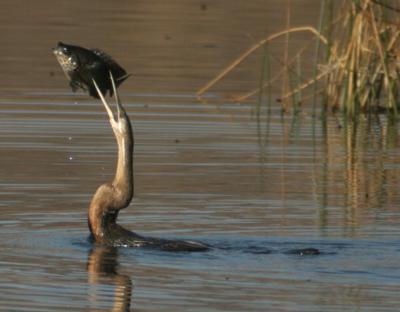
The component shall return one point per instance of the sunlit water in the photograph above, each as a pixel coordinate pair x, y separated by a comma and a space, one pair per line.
203, 171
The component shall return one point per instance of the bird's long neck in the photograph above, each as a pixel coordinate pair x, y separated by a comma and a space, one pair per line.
123, 180
112, 197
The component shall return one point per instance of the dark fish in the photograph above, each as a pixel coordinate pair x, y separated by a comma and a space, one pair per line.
81, 65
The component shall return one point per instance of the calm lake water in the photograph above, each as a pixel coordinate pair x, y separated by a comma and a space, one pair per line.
203, 171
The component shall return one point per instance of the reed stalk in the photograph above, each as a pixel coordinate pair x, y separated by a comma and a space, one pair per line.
255, 47
358, 70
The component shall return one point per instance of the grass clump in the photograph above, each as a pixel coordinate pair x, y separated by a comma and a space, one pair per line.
365, 60
357, 60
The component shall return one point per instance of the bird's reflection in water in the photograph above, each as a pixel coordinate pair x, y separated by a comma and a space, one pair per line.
102, 269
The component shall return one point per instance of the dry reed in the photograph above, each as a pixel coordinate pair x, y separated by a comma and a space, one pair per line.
359, 67
255, 47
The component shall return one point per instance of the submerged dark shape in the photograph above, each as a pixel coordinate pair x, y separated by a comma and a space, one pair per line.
304, 252
82, 65
111, 197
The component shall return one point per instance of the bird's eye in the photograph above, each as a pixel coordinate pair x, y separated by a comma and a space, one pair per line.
65, 49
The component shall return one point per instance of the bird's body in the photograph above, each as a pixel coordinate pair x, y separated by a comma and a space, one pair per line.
81, 65
111, 197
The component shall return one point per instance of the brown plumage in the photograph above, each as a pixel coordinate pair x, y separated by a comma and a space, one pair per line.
111, 197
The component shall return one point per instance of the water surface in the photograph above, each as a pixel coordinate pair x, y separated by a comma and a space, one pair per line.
204, 171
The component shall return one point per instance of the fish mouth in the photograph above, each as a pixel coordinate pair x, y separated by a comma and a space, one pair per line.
57, 51
58, 48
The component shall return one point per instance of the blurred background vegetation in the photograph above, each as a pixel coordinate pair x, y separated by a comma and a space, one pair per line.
354, 68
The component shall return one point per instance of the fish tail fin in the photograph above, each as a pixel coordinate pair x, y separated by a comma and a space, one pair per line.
118, 81
121, 79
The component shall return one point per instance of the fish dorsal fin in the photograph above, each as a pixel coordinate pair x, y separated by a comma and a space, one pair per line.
104, 56
117, 70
